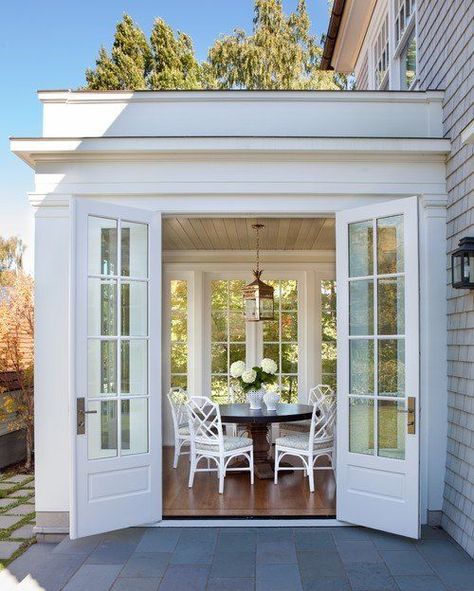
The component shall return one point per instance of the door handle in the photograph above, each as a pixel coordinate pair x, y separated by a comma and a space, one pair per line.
80, 415
411, 415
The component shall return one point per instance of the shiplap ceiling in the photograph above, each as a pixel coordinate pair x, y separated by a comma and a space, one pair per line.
181, 233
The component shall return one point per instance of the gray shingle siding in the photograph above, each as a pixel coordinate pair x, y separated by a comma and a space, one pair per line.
445, 42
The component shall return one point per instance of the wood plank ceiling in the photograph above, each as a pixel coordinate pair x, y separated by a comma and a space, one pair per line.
181, 233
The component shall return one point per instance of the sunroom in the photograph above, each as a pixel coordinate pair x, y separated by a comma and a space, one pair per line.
145, 204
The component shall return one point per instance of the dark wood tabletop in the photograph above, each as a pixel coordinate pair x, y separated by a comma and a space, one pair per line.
241, 413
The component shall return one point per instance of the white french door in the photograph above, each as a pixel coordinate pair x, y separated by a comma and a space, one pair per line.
116, 348
378, 367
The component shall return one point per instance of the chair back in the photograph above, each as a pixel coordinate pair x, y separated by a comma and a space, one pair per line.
322, 426
178, 399
205, 423
318, 393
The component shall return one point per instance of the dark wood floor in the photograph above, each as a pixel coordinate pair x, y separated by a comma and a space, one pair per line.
290, 497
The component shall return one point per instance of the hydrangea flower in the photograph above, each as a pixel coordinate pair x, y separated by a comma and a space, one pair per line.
249, 376
269, 366
237, 369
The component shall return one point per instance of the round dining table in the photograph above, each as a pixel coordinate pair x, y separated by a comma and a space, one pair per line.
258, 424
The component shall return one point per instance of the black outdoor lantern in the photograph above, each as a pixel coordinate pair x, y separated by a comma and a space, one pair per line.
462, 264
258, 296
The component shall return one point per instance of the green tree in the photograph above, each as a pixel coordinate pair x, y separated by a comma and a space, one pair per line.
280, 54
11, 258
174, 65
129, 64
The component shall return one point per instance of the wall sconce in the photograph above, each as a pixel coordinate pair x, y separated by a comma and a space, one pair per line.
462, 264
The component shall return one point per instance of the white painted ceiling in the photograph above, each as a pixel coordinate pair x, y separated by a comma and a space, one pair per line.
181, 233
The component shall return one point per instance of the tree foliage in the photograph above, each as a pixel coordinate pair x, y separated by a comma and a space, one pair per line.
280, 53
16, 338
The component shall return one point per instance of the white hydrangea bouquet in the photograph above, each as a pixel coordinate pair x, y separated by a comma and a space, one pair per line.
253, 380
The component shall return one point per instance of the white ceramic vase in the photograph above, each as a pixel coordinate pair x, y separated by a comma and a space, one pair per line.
255, 398
271, 400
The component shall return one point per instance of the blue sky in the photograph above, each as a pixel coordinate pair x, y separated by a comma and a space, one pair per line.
50, 43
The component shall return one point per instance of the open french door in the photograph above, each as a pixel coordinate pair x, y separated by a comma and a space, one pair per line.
378, 367
115, 367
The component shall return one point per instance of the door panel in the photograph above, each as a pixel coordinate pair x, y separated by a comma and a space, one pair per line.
378, 367
115, 320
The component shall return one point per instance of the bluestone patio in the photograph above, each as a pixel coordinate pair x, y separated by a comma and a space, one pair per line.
244, 559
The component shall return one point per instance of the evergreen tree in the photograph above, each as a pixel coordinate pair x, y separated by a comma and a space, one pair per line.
280, 54
129, 64
174, 65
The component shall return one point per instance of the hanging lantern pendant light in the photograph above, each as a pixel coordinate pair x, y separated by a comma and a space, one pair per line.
258, 296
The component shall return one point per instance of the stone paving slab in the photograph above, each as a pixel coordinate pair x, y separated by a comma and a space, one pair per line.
21, 510
244, 559
7, 521
16, 478
24, 532
7, 548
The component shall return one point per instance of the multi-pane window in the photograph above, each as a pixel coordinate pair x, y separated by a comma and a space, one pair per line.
179, 334
228, 334
381, 54
377, 337
403, 11
280, 337
117, 329
408, 63
328, 333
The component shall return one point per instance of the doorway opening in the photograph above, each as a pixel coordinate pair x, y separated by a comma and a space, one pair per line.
207, 262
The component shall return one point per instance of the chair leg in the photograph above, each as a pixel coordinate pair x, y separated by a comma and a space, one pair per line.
311, 473
221, 476
176, 453
192, 468
251, 467
277, 462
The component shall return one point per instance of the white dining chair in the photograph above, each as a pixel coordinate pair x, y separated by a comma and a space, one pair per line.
316, 395
209, 442
308, 447
178, 398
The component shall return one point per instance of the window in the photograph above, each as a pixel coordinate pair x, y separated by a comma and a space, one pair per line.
228, 333
328, 333
280, 338
403, 11
179, 334
381, 55
408, 63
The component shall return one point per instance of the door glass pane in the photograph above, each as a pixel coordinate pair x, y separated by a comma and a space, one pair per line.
361, 242
289, 295
134, 238
236, 353
289, 326
289, 389
219, 325
391, 429
134, 367
134, 310
390, 258
289, 358
361, 353
102, 429
391, 306
102, 307
328, 333
179, 334
391, 367
361, 307
102, 246
219, 389
101, 368
236, 326
219, 358
271, 330
134, 426
361, 426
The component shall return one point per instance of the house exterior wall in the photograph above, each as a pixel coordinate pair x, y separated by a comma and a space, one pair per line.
445, 47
